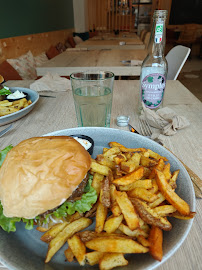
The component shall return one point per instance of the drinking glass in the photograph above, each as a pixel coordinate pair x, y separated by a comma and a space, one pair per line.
92, 92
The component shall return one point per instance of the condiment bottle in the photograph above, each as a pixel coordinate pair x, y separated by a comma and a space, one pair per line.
154, 67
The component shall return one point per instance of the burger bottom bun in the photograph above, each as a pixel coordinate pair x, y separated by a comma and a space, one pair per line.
40, 173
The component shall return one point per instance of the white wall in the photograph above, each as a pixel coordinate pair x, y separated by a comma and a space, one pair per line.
80, 16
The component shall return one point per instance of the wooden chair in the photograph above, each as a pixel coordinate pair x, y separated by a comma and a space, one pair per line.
188, 35
142, 34
146, 40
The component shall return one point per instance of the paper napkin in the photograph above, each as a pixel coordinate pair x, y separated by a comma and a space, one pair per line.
51, 82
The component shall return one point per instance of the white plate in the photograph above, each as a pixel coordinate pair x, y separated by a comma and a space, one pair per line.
32, 95
24, 250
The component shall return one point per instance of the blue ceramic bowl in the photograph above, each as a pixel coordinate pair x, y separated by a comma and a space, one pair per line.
32, 95
24, 250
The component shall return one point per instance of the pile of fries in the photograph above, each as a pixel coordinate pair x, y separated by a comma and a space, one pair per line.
7, 107
136, 193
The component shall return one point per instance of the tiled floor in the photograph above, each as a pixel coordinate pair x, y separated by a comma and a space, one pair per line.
191, 76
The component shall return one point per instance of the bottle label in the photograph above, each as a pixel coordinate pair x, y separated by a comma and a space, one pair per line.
158, 33
152, 90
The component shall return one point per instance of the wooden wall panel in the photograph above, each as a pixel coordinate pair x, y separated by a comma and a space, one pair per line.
110, 15
37, 43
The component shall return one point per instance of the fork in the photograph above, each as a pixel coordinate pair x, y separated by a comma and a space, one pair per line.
145, 128
4, 131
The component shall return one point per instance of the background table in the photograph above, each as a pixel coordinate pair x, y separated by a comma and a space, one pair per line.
131, 44
51, 114
111, 36
73, 61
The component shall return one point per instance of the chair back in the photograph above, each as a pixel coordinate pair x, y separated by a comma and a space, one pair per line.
142, 34
176, 59
188, 35
146, 40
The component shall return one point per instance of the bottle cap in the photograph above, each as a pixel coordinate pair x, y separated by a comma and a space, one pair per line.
122, 120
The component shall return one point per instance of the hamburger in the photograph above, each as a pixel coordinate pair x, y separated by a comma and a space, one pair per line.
43, 181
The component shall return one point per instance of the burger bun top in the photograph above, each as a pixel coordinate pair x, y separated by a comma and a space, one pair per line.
40, 173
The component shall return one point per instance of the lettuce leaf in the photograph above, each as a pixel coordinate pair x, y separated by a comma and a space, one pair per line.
7, 224
85, 204
4, 152
5, 91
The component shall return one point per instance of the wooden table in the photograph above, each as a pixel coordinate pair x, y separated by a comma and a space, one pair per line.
112, 36
73, 61
186, 144
129, 44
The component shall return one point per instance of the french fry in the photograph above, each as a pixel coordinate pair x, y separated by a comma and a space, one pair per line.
166, 171
127, 210
7, 107
146, 154
155, 187
129, 178
112, 223
170, 195
147, 162
116, 210
101, 215
101, 169
101, 159
179, 216
135, 233
164, 210
112, 151
97, 181
156, 156
42, 229
146, 173
93, 257
119, 158
105, 192
147, 183
173, 179
111, 260
124, 149
118, 172
104, 149
132, 164
70, 229
156, 243
159, 166
92, 211
143, 194
87, 235
50, 234
75, 216
159, 200
143, 241
145, 227
6, 103
115, 245
128, 166
150, 216
69, 254
78, 248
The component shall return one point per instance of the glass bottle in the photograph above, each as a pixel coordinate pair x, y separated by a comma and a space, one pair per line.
154, 67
